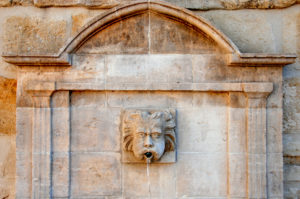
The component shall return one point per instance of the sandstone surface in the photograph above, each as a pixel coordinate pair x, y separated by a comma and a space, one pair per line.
29, 30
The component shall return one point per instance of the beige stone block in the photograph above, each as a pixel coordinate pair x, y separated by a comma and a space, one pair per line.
5, 3
22, 2
162, 180
129, 36
96, 174
185, 40
87, 3
7, 166
95, 130
23, 175
79, 20
290, 37
122, 68
201, 175
7, 105
149, 68
275, 175
23, 152
204, 65
237, 140
256, 37
257, 176
198, 132
274, 130
179, 99
33, 36
135, 99
96, 100
90, 63
60, 99
60, 129
60, 174
210, 99
237, 175
204, 4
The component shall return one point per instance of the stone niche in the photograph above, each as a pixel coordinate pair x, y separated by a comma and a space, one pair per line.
149, 55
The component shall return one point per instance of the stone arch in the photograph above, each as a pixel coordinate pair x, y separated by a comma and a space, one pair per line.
122, 12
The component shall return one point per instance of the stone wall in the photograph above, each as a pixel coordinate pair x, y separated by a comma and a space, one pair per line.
40, 26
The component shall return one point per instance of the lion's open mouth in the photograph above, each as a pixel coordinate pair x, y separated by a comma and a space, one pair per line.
148, 155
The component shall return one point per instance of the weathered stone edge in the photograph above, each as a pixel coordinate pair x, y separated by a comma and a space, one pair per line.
249, 87
196, 5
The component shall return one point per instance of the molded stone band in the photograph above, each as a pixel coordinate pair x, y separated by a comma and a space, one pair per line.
199, 5
253, 87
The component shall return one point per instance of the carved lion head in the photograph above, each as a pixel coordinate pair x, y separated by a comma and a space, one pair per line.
148, 133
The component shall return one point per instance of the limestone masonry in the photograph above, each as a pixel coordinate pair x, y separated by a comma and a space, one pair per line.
149, 99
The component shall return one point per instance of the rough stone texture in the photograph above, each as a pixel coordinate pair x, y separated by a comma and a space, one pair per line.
5, 3
7, 166
191, 4
7, 106
33, 36
22, 2
252, 30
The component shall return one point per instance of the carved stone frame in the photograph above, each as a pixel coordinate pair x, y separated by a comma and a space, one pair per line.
45, 156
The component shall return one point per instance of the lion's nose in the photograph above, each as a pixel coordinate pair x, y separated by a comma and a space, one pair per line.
148, 142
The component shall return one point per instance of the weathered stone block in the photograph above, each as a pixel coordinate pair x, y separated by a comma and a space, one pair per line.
193, 168
8, 89
22, 2
255, 37
274, 129
5, 2
275, 175
60, 175
162, 178
137, 99
95, 100
291, 181
88, 3
96, 174
127, 37
33, 36
95, 130
291, 144
7, 166
198, 133
149, 68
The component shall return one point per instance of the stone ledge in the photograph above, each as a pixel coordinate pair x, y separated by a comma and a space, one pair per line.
190, 4
259, 87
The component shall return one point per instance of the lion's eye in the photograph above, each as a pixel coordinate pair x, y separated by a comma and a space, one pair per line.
155, 135
141, 134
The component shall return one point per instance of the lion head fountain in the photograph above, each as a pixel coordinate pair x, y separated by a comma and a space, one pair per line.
148, 134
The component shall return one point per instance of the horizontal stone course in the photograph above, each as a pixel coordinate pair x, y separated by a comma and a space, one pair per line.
190, 4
